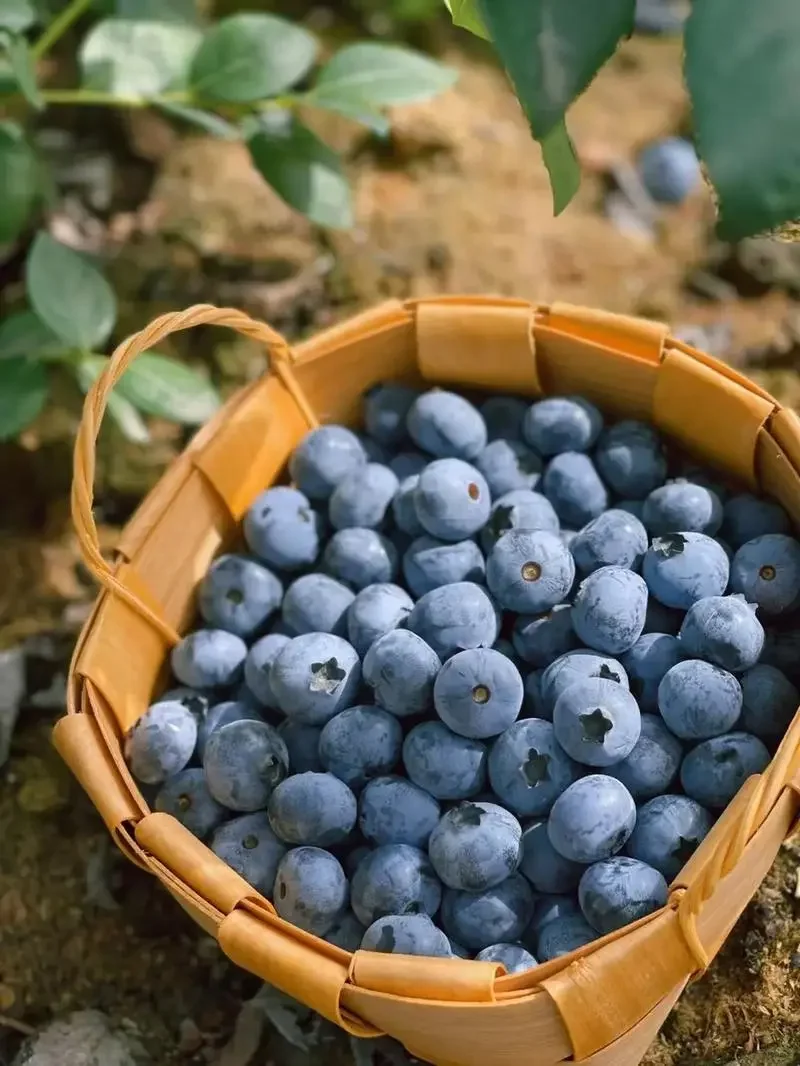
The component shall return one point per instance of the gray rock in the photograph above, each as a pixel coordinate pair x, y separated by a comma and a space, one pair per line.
12, 690
85, 1038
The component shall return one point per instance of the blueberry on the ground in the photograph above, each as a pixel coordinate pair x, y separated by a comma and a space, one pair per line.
377, 609
592, 819
503, 416
513, 956
455, 617
315, 603
528, 769
346, 933
406, 934
209, 658
404, 508
393, 810
575, 666
668, 831
314, 677
766, 571
283, 529
661, 619
615, 892
608, 611
748, 517
258, 664
698, 700
394, 879
407, 464
682, 568
508, 465
630, 458
186, 797
614, 538
359, 744
724, 630
222, 714
520, 509
302, 743
596, 722
430, 563
546, 870
497, 914
474, 847
573, 486
452, 499
530, 570
324, 458
478, 693
248, 845
360, 557
714, 771
238, 594
769, 702
447, 766
563, 936
653, 764
540, 639
362, 499
562, 424
161, 743
311, 890
244, 762
682, 506
446, 425
312, 808
401, 668
647, 662
670, 169
386, 407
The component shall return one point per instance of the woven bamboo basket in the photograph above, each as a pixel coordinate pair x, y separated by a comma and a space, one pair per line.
601, 1005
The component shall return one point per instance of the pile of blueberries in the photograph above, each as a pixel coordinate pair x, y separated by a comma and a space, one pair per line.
482, 680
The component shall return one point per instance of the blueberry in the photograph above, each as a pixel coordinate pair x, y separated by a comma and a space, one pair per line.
458, 950
346, 933
769, 702
748, 517
668, 832
360, 557
513, 957
682, 506
551, 907
404, 508
698, 700
682, 568
363, 498
455, 617
488, 916
314, 677
562, 424
446, 425
209, 658
374, 451
630, 458
474, 847
239, 595
714, 771
324, 458
283, 529
478, 693
186, 797
632, 507
520, 509
766, 571
540, 639
311, 890
596, 722
244, 762
312, 808
509, 465
647, 662
386, 408
670, 169
359, 744
452, 499
609, 609
653, 764
724, 630
563, 936
528, 769
353, 859
530, 571
407, 464
192, 699
377, 609
447, 766
661, 619
222, 714
614, 538
567, 536
575, 666
573, 486
302, 743
248, 845
406, 934
395, 811
258, 664
546, 870
592, 819
615, 892
532, 703
782, 650
401, 668
700, 475
503, 416
395, 879
429, 563
161, 743
315, 603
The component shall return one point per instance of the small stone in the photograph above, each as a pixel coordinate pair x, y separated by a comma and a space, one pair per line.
85, 1038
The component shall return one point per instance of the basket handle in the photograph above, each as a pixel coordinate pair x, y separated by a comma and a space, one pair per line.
82, 497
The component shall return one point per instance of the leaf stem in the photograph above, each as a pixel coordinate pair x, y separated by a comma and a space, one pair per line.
59, 26
95, 97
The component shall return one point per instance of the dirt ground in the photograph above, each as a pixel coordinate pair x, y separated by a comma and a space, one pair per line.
456, 201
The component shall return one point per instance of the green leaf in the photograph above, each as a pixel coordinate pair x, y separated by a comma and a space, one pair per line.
120, 410
357, 112
24, 71
553, 48
24, 334
69, 294
23, 393
466, 15
562, 165
166, 388
16, 16
136, 58
380, 75
158, 10
251, 57
303, 170
204, 120
19, 181
742, 68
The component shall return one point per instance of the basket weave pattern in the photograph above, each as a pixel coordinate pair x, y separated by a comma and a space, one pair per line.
603, 1004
